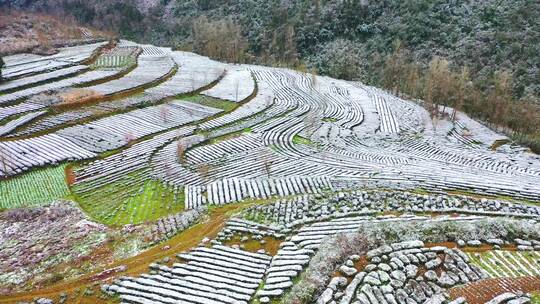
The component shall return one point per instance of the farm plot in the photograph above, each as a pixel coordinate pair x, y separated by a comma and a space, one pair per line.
186, 80
194, 73
38, 187
115, 131
77, 80
484, 291
21, 108
302, 227
38, 241
153, 200
117, 57
131, 199
52, 121
20, 65
21, 155
132, 159
211, 102
15, 123
148, 70
218, 274
236, 86
182, 135
499, 263
419, 276
22, 83
308, 239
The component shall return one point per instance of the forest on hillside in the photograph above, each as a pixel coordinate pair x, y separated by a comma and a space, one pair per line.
478, 56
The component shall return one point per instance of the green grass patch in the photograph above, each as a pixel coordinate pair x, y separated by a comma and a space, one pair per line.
105, 62
37, 187
329, 119
535, 297
130, 200
111, 152
153, 201
224, 105
300, 140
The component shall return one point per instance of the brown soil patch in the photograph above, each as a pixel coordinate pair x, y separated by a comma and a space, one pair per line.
77, 97
445, 244
482, 291
271, 244
361, 263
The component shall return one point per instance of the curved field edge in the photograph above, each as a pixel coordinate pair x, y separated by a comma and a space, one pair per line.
131, 200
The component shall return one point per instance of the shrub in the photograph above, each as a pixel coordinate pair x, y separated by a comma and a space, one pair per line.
339, 59
333, 251
436, 232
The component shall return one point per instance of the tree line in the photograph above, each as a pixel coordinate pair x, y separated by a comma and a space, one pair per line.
481, 57
440, 86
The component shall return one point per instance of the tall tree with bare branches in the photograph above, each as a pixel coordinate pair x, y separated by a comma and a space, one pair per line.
1, 66
181, 151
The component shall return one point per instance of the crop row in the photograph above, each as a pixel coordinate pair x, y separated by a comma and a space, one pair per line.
131, 199
499, 263
34, 188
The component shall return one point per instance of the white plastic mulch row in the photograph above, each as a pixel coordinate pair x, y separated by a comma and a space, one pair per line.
236, 86
45, 77
21, 155
13, 124
219, 274
24, 64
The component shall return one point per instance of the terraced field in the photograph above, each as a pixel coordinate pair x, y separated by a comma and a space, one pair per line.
509, 263
152, 143
34, 188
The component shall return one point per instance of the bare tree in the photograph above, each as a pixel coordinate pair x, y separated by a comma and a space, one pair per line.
221, 39
203, 169
164, 113
181, 151
268, 167
1, 66
500, 97
438, 84
461, 89
393, 68
129, 138
413, 81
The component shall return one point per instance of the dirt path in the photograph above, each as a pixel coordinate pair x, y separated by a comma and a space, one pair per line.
482, 291
136, 265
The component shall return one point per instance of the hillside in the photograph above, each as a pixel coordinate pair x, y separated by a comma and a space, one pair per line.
133, 173
486, 36
490, 65
40, 33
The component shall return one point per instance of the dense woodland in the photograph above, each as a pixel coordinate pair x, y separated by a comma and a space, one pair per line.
478, 56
